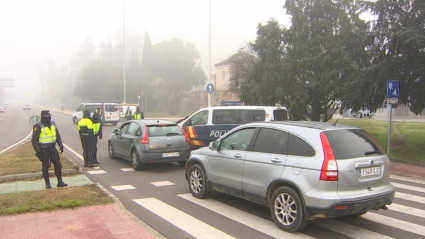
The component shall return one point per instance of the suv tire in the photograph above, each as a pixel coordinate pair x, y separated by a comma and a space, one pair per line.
286, 203
198, 182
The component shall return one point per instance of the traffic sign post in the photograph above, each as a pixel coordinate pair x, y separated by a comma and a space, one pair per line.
210, 88
393, 92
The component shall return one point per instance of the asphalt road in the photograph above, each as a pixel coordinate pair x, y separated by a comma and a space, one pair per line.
171, 210
13, 126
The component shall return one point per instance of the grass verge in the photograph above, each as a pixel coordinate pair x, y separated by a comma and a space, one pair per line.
22, 160
407, 149
52, 199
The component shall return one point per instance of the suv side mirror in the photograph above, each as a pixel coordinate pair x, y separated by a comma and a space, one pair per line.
115, 131
214, 145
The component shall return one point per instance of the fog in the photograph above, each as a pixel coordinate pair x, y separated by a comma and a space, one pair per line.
33, 32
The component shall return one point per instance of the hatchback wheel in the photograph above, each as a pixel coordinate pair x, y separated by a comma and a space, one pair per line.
111, 151
137, 165
198, 182
75, 120
287, 210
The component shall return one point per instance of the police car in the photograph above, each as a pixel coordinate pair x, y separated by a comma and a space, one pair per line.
209, 124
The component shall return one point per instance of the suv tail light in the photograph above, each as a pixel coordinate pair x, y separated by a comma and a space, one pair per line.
145, 139
329, 170
185, 135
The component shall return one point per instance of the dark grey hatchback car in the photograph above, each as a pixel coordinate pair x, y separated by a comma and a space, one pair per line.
149, 141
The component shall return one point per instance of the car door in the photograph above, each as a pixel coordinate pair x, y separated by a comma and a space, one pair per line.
264, 163
197, 130
226, 164
129, 139
119, 146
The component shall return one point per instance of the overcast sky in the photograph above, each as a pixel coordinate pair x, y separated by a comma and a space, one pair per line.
34, 31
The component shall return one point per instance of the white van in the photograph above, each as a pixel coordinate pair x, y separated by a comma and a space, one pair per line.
110, 112
123, 109
209, 124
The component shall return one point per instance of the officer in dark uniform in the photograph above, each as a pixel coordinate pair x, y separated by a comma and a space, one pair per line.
44, 138
85, 129
138, 115
128, 114
97, 131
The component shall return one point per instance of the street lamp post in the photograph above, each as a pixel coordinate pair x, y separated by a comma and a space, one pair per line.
123, 63
209, 76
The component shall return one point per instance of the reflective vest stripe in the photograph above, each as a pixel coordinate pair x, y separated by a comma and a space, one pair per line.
47, 135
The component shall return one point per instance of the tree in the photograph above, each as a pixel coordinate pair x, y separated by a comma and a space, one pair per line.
177, 63
397, 43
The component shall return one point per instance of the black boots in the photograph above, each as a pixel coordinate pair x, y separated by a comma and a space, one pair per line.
47, 183
61, 183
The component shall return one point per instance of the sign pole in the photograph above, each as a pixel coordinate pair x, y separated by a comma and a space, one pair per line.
390, 106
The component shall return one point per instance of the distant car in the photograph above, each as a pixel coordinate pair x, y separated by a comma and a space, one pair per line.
2, 109
300, 170
149, 141
26, 107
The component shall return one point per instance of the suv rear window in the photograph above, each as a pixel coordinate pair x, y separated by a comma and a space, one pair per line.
111, 108
228, 116
164, 130
352, 143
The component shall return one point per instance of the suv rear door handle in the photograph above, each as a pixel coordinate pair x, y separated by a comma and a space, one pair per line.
238, 156
276, 160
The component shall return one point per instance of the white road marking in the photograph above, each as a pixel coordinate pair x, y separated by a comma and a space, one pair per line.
127, 169
163, 183
410, 197
185, 222
408, 179
395, 223
408, 210
97, 172
123, 187
247, 219
348, 230
408, 187
4, 150
72, 151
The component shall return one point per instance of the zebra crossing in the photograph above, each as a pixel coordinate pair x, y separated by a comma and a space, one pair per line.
406, 217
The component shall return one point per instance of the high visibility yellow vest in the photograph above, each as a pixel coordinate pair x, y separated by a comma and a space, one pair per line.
137, 116
96, 128
85, 122
47, 136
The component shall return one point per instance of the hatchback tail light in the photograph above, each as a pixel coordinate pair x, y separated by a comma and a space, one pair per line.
329, 170
145, 140
185, 135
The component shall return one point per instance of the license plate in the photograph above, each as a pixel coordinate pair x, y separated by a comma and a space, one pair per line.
364, 172
175, 154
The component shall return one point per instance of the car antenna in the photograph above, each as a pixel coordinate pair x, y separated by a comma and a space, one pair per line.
334, 124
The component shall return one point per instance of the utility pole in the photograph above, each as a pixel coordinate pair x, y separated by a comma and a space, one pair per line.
209, 76
123, 63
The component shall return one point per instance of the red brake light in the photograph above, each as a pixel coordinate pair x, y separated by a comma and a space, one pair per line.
340, 207
145, 139
185, 135
330, 167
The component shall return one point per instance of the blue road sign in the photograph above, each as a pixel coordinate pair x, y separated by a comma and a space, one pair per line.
393, 89
210, 88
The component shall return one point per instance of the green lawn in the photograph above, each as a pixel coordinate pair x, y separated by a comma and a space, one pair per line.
413, 134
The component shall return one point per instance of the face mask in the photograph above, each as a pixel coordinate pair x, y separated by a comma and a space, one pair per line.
46, 120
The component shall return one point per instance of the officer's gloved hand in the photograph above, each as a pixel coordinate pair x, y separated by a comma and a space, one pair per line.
61, 148
39, 155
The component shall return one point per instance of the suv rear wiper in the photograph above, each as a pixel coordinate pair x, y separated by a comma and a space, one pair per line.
372, 152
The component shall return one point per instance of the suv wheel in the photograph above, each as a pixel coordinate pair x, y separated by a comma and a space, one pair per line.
137, 165
287, 210
111, 151
198, 182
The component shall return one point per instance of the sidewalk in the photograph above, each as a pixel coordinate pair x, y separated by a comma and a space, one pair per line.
407, 170
110, 221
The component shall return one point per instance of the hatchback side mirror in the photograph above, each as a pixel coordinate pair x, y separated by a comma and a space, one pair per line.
214, 145
115, 131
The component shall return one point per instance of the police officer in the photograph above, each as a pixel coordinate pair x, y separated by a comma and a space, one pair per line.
85, 129
98, 112
128, 114
97, 131
138, 114
44, 138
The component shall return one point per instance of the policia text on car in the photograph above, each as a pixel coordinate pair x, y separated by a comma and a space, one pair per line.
85, 129
44, 138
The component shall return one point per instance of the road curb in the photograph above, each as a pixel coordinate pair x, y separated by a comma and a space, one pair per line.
148, 228
407, 162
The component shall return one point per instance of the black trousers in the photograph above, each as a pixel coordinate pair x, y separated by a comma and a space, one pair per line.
88, 148
51, 155
95, 149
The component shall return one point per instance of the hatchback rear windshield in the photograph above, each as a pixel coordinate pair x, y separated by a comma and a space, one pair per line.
352, 143
164, 130
228, 116
111, 108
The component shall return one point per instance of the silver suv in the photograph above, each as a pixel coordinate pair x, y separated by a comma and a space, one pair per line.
301, 170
